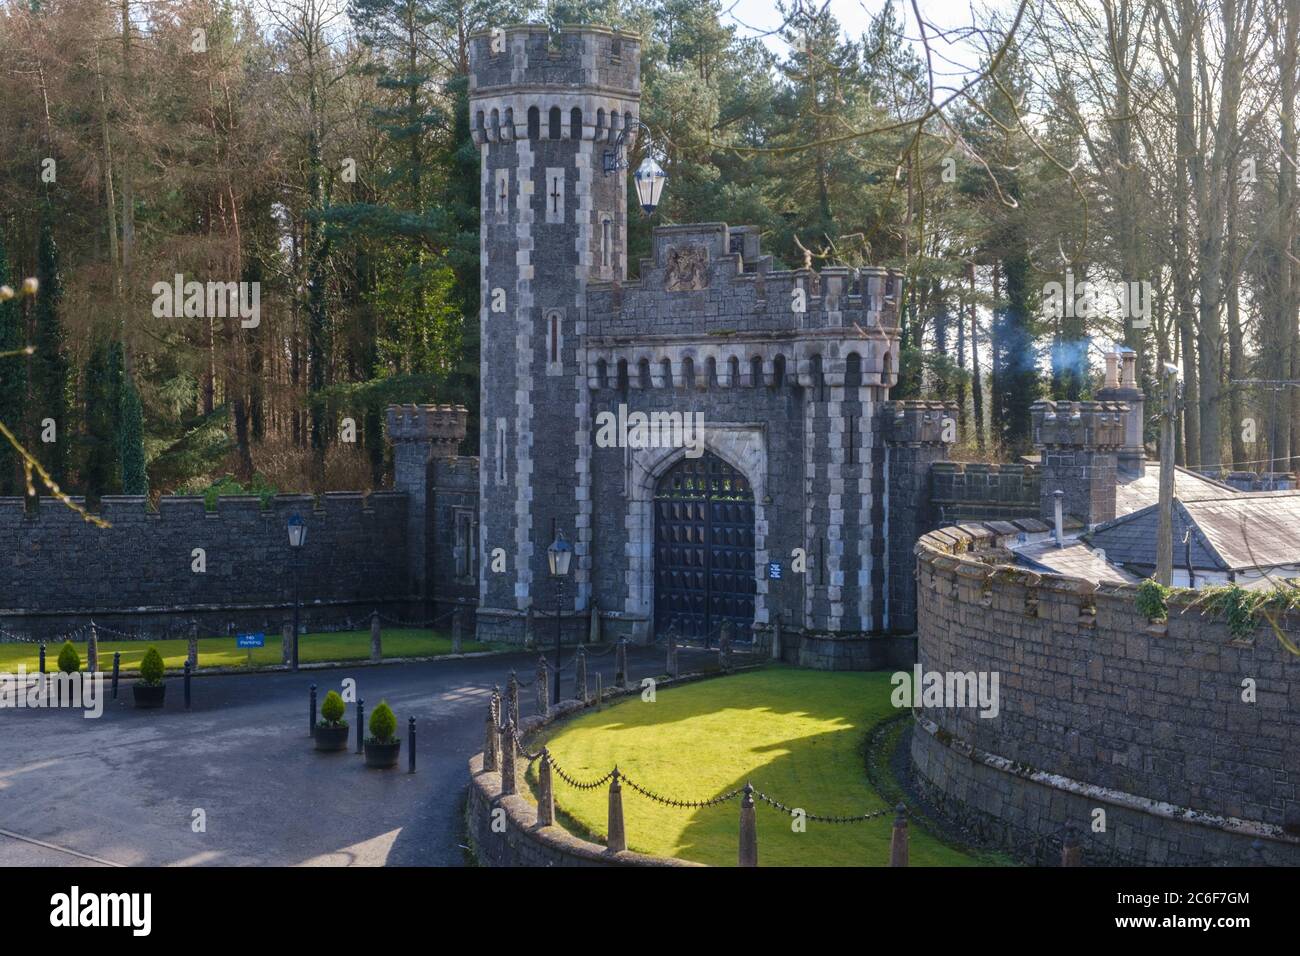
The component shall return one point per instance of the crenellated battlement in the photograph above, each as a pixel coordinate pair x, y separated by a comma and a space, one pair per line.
520, 74
918, 422
181, 509
698, 283
437, 424
1087, 425
1082, 655
708, 308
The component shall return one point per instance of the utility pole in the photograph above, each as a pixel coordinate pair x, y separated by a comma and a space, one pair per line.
1165, 527
1274, 386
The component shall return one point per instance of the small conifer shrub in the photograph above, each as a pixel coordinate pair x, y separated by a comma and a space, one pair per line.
151, 668
383, 723
331, 710
69, 659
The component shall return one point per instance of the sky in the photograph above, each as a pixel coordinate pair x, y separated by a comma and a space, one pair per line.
754, 17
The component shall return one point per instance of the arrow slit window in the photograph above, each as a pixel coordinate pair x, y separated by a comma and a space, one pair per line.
554, 341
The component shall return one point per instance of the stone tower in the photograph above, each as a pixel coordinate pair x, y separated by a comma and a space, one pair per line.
545, 108
916, 435
420, 435
1080, 444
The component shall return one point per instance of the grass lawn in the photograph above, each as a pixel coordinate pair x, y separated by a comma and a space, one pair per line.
222, 652
796, 735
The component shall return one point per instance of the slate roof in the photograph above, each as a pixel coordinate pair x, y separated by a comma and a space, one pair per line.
1134, 494
1074, 559
1234, 532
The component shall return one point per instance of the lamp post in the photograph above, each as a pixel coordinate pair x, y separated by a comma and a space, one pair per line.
297, 538
558, 555
649, 177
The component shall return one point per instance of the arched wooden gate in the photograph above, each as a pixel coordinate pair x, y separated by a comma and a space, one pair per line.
704, 549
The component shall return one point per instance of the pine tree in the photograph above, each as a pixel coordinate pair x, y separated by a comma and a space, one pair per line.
13, 381
50, 373
99, 470
135, 480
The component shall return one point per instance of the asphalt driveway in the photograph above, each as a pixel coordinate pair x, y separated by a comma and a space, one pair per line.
124, 788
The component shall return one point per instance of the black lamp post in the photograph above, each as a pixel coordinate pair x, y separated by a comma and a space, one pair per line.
558, 554
297, 538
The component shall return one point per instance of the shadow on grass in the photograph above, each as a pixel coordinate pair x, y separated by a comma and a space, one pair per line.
796, 735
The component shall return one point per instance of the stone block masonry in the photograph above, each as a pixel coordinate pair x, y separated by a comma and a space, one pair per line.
974, 491
1099, 709
58, 571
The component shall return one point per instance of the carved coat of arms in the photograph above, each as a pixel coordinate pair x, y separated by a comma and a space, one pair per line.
687, 269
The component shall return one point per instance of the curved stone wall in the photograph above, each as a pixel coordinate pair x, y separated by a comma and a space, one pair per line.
504, 828
1100, 709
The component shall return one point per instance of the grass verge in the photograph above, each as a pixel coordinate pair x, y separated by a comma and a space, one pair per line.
222, 652
797, 735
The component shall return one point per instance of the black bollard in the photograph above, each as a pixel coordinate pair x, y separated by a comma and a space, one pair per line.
187, 685
411, 755
361, 724
117, 666
42, 657
311, 718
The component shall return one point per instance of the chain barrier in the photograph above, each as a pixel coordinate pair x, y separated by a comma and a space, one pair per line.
9, 637
684, 804
398, 622
818, 817
530, 757
578, 784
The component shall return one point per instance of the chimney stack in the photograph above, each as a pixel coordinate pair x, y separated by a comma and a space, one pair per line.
1122, 386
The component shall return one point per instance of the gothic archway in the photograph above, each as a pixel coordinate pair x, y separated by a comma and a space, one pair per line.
704, 549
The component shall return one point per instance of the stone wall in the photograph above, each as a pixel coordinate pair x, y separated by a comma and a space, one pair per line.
519, 841
916, 436
58, 570
972, 491
1099, 708
514, 837
454, 561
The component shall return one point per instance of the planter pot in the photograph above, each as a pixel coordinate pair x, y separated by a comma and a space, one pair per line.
331, 738
148, 696
382, 755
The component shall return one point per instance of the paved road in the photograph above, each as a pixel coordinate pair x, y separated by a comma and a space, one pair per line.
122, 789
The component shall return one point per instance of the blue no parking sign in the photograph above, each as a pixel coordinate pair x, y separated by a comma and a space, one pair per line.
251, 640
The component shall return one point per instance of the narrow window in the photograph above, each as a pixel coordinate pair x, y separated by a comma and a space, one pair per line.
555, 337
501, 451
606, 240
575, 123
554, 131
534, 123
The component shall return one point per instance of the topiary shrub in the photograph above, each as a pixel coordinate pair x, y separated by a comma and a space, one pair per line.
332, 709
151, 668
69, 659
383, 723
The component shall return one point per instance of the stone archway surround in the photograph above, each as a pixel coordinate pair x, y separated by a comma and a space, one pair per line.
743, 447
